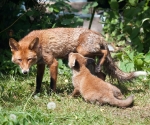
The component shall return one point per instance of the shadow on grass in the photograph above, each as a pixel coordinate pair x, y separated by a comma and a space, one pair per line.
126, 88
66, 88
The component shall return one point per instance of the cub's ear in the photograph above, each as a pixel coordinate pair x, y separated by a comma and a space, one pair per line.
72, 60
13, 44
34, 44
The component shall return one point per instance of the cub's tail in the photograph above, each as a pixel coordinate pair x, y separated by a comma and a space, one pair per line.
114, 72
122, 103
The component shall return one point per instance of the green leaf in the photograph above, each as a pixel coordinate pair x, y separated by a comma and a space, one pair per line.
122, 66
131, 13
114, 21
121, 25
133, 2
50, 9
128, 29
130, 55
146, 8
114, 4
117, 55
56, 10
88, 6
94, 4
147, 57
130, 66
135, 33
60, 63
139, 55
30, 13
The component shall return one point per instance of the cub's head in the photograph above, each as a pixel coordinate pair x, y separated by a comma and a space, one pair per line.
24, 54
76, 61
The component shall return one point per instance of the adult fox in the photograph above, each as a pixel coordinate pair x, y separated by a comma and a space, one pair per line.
45, 46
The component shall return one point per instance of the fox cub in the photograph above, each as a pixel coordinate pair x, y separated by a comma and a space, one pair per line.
92, 88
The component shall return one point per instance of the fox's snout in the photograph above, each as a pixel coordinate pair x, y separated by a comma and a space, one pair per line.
25, 71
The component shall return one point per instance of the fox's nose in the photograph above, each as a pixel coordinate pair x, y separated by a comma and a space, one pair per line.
25, 71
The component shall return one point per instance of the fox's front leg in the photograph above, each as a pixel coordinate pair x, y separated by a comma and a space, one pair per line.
102, 54
53, 65
39, 77
102, 60
53, 72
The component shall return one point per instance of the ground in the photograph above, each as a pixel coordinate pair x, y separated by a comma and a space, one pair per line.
16, 99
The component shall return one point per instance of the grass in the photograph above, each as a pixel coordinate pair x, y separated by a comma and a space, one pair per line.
16, 100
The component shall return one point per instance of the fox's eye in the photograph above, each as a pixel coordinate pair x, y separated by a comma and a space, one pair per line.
19, 60
29, 59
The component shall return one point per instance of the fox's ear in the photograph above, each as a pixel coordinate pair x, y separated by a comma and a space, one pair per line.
72, 60
34, 44
13, 44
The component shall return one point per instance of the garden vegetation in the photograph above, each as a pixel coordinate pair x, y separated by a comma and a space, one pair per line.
126, 24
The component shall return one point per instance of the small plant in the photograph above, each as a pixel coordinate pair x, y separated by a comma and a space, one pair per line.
129, 23
63, 69
131, 60
25, 17
7, 67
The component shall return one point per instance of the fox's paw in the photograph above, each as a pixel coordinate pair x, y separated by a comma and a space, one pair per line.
97, 69
36, 92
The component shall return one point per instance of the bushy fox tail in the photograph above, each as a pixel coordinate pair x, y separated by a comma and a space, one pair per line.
114, 72
122, 103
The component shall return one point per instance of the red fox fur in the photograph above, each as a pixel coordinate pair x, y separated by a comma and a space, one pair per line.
92, 88
45, 46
